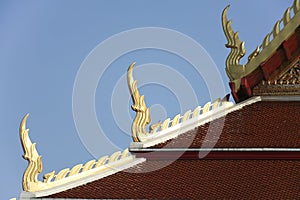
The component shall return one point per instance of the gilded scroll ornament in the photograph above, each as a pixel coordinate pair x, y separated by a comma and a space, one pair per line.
282, 29
253, 54
30, 178
53, 179
142, 118
30, 181
189, 115
290, 77
233, 67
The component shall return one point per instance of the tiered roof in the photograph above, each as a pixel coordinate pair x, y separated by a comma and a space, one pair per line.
221, 150
197, 179
67, 178
261, 122
258, 150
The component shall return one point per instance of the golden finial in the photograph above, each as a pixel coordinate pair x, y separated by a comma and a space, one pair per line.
67, 175
30, 181
142, 118
282, 29
233, 67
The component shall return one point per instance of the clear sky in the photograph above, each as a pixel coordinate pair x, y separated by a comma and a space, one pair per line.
44, 43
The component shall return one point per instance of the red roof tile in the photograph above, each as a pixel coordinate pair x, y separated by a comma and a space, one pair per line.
262, 124
197, 179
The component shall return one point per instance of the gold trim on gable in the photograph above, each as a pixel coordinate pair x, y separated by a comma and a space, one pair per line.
270, 44
287, 83
30, 178
142, 117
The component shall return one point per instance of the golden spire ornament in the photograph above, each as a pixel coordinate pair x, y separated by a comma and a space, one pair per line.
142, 117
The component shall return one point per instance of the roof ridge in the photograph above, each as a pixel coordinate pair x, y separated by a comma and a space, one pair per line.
179, 129
142, 118
67, 175
188, 115
274, 39
89, 165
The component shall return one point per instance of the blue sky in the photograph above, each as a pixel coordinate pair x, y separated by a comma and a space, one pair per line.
44, 43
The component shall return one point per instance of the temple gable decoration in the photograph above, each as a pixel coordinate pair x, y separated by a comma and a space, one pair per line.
270, 59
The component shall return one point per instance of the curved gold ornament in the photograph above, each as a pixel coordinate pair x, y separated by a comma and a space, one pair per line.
30, 178
282, 29
142, 118
83, 170
30, 181
233, 67
253, 54
188, 115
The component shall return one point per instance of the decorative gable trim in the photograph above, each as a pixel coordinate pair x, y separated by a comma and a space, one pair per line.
288, 83
175, 131
67, 178
93, 175
278, 48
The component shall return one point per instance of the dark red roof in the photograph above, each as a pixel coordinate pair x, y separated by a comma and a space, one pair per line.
262, 124
223, 174
197, 179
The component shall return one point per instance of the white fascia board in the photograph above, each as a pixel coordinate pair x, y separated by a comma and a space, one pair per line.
232, 149
114, 168
188, 125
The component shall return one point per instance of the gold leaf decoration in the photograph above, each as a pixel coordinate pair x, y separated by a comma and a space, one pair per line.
216, 103
30, 181
81, 168
155, 126
206, 107
287, 16
62, 174
186, 115
233, 66
282, 29
165, 124
198, 111
35, 166
142, 118
175, 120
291, 77
114, 156
285, 84
101, 161
253, 54
75, 169
48, 177
89, 165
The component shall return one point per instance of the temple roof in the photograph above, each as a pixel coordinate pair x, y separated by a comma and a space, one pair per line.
194, 179
287, 82
264, 124
260, 134
69, 177
248, 124
276, 55
221, 149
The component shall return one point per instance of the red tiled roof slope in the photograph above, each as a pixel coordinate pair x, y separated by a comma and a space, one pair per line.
197, 179
262, 124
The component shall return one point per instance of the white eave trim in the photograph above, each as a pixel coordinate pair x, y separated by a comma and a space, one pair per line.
217, 149
188, 125
280, 98
114, 168
179, 129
